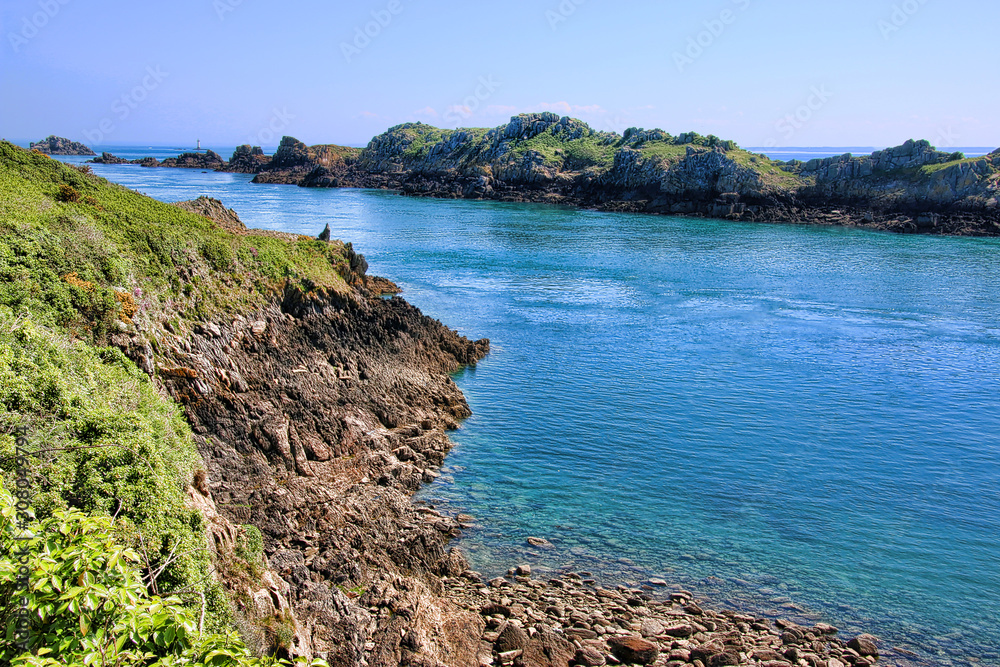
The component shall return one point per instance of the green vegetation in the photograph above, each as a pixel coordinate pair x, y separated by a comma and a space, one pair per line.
587, 151
770, 171
421, 138
665, 150
93, 606
56, 222
120, 567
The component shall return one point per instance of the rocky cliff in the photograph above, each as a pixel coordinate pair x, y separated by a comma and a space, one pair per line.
318, 415
53, 145
545, 158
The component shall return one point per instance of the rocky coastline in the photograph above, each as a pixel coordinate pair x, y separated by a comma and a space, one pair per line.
318, 417
318, 407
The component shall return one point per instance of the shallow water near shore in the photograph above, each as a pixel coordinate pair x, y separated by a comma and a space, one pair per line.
796, 420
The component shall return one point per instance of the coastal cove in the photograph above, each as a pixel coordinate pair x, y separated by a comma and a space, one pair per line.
771, 415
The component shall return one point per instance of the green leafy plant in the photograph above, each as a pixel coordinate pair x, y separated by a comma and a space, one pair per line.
87, 603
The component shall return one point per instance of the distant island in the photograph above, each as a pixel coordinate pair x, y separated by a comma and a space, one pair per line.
542, 157
53, 145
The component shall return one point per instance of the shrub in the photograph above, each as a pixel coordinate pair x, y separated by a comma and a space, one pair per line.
218, 253
87, 604
67, 193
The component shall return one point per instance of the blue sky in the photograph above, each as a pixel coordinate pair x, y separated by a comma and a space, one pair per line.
778, 72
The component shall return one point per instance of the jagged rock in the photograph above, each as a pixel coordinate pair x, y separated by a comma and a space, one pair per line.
325, 234
282, 465
247, 159
215, 210
323, 166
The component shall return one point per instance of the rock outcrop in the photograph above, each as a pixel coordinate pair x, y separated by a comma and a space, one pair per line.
53, 145
325, 165
318, 416
247, 159
207, 160
109, 158
546, 158
215, 210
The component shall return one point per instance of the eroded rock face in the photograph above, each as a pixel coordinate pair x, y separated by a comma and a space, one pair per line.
317, 418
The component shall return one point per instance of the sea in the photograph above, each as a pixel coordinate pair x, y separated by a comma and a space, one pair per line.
794, 421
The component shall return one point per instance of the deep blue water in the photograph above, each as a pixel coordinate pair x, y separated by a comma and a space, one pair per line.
770, 415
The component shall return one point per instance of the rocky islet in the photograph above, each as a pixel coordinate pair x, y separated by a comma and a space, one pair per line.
53, 145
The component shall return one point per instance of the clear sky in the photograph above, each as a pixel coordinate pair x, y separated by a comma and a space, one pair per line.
761, 72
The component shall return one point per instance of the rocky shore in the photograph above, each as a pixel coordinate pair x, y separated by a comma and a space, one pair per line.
571, 619
318, 417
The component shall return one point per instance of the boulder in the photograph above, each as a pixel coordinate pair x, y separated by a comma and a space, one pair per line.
588, 656
634, 650
865, 645
548, 649
512, 638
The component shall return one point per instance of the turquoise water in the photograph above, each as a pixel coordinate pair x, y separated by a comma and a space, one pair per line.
801, 421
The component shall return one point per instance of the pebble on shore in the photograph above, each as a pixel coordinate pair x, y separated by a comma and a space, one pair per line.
565, 621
